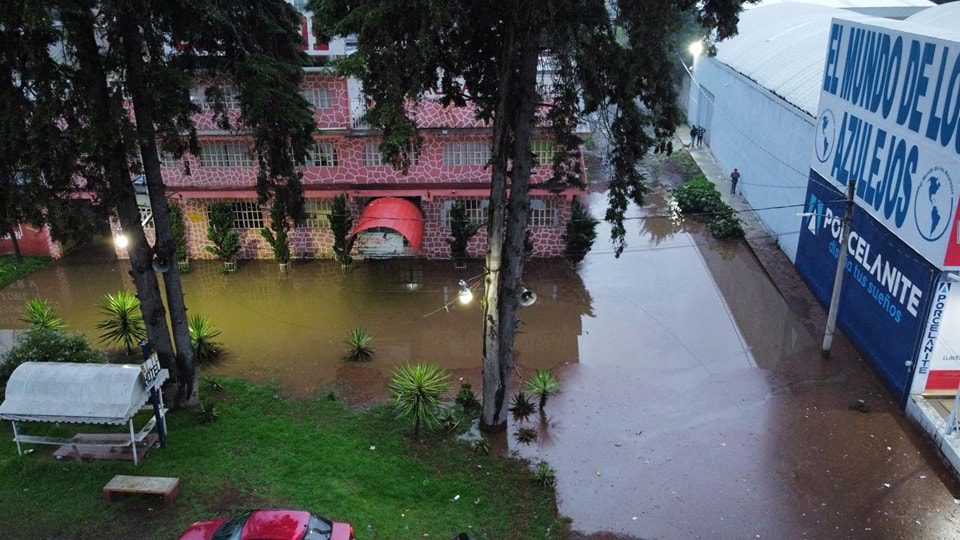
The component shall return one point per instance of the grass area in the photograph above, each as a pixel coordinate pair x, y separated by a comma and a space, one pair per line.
265, 450
12, 270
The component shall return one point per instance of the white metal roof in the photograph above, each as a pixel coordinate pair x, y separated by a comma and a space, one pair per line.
946, 16
75, 393
876, 8
783, 48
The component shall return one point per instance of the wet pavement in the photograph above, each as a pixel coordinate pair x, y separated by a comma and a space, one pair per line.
694, 401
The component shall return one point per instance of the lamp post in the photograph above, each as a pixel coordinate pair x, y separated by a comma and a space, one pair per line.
838, 277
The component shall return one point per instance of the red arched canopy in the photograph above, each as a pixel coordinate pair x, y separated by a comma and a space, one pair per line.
396, 214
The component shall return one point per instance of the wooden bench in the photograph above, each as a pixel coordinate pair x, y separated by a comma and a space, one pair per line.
169, 488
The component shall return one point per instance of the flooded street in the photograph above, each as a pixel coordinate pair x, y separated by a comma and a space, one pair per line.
694, 403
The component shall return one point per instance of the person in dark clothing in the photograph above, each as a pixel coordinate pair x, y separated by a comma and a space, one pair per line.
734, 178
700, 132
693, 135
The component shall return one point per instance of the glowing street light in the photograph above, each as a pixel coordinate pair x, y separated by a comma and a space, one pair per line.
696, 48
465, 295
121, 241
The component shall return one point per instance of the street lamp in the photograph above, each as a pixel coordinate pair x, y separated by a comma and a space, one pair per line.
121, 240
465, 295
696, 48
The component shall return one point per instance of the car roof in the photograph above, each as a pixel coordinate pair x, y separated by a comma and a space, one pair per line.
276, 525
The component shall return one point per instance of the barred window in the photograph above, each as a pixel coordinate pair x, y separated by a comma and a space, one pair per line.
372, 156
466, 153
544, 151
225, 155
246, 215
167, 159
476, 211
318, 213
146, 216
319, 98
231, 98
543, 213
321, 155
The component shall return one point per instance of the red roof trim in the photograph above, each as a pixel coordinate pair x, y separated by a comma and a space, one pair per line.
396, 214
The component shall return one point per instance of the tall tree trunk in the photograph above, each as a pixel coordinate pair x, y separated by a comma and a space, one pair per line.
493, 417
164, 245
16, 244
105, 121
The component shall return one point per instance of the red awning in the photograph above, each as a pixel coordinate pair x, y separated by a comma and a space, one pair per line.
396, 214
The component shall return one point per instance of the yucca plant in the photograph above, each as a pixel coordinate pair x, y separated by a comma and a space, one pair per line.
41, 314
202, 334
360, 343
124, 322
466, 398
526, 435
207, 413
417, 392
543, 384
545, 475
521, 406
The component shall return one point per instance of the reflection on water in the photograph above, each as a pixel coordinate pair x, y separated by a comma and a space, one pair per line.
292, 328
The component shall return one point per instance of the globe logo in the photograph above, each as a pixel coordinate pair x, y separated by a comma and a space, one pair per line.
934, 204
826, 135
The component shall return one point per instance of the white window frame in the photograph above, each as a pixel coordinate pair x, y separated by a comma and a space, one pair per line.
543, 213
372, 156
247, 214
318, 98
231, 98
321, 155
317, 213
477, 211
544, 151
167, 159
146, 216
225, 155
460, 153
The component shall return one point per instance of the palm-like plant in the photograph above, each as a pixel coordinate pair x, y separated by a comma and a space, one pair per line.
124, 322
417, 391
202, 334
360, 343
521, 406
543, 384
41, 314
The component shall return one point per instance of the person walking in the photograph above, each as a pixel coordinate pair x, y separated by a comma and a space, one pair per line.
734, 178
700, 132
693, 135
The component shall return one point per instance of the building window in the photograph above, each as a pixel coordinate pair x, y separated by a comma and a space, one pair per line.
146, 216
543, 213
225, 155
476, 211
231, 98
319, 98
167, 159
372, 156
246, 215
544, 152
318, 213
321, 155
466, 153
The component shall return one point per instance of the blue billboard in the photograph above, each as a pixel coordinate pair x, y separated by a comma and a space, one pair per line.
886, 286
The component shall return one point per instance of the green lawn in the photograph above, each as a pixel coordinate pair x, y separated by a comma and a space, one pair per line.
266, 450
11, 270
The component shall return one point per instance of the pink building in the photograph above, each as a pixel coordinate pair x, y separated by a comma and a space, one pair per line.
346, 159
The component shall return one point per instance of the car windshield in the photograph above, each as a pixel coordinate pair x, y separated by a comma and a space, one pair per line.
319, 529
231, 530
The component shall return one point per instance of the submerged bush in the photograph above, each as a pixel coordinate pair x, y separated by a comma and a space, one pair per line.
47, 345
40, 313
543, 384
700, 199
360, 343
202, 334
580, 233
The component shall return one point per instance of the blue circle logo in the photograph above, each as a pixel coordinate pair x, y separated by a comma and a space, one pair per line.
826, 135
934, 204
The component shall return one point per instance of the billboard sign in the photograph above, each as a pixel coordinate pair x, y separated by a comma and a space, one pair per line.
886, 288
889, 118
938, 362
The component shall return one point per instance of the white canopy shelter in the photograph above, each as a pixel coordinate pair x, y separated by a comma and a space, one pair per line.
82, 394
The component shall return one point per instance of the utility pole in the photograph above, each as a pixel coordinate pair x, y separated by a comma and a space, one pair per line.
838, 278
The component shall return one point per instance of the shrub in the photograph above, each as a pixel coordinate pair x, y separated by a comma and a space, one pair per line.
226, 241
278, 235
726, 225
41, 314
580, 233
360, 346
124, 322
179, 230
543, 384
545, 475
526, 435
340, 225
417, 392
202, 334
521, 406
701, 198
466, 398
461, 230
207, 413
48, 345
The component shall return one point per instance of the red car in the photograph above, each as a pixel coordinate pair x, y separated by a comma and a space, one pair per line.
270, 525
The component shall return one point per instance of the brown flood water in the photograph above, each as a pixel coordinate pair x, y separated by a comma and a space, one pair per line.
694, 403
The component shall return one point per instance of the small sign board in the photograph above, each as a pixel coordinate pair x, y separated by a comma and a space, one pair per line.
150, 370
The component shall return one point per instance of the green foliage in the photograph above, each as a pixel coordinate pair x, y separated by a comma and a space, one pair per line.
207, 413
543, 384
202, 336
466, 398
361, 346
12, 270
545, 475
226, 241
340, 224
461, 230
278, 235
700, 199
48, 345
179, 229
124, 321
417, 392
40, 313
526, 435
521, 406
481, 446
580, 233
